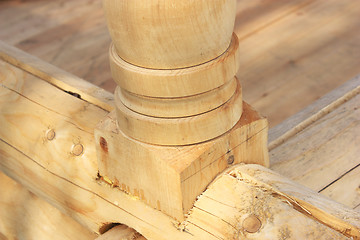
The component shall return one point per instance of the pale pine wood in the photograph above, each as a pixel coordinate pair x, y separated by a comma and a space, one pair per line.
176, 82
181, 106
346, 189
169, 178
56, 76
77, 42
279, 204
71, 183
314, 112
182, 130
293, 59
165, 35
23, 105
23, 215
151, 177
318, 147
333, 151
121, 232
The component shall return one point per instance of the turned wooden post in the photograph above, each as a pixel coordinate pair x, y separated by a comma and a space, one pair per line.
178, 103
174, 63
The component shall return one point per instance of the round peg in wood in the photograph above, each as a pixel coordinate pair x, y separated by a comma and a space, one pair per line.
172, 34
251, 224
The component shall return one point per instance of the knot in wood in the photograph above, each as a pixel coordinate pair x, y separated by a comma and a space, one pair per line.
103, 144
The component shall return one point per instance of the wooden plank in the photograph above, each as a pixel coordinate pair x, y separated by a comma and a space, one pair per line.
288, 48
295, 124
39, 17
328, 147
294, 61
23, 215
345, 189
318, 147
57, 77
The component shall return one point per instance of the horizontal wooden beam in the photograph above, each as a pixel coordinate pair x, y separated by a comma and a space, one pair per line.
24, 215
48, 146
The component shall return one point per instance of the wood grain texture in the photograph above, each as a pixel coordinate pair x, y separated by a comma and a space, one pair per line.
320, 148
56, 76
290, 50
121, 232
181, 82
48, 167
165, 35
169, 178
294, 59
23, 215
183, 130
29, 114
313, 112
181, 106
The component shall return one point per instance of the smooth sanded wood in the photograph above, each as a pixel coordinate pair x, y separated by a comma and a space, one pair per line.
165, 35
183, 130
181, 82
181, 106
23, 215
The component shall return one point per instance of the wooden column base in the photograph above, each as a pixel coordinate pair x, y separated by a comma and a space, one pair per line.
171, 178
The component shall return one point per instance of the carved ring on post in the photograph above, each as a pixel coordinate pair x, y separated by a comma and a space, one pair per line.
180, 82
179, 118
180, 131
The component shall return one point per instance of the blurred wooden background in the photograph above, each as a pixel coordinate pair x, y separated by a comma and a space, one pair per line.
293, 51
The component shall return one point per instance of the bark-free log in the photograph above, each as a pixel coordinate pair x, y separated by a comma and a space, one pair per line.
231, 208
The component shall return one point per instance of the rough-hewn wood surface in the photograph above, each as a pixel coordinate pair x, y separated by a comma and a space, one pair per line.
292, 51
50, 166
23, 215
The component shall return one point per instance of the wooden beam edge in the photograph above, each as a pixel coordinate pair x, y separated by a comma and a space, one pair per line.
57, 77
